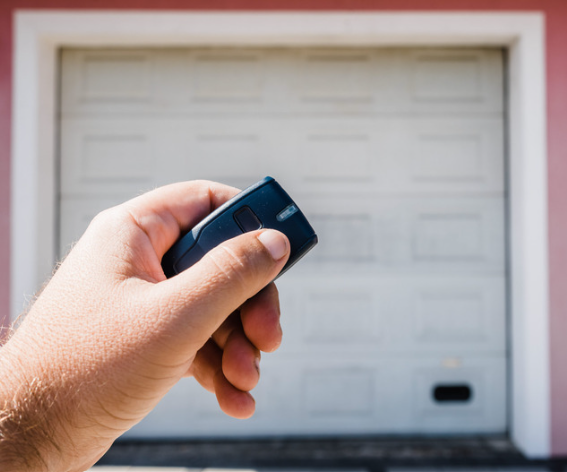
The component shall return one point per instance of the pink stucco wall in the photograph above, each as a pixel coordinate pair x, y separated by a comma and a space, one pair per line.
556, 20
557, 174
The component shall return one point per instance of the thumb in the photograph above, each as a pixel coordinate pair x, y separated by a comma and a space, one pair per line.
200, 298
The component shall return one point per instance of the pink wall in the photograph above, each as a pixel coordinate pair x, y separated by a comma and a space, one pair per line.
556, 18
557, 175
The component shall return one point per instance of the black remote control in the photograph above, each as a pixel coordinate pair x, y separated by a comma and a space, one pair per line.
263, 205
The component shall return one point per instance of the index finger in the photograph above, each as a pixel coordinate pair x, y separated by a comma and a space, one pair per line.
167, 212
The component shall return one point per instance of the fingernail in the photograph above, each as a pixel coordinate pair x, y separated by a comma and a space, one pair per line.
274, 242
257, 364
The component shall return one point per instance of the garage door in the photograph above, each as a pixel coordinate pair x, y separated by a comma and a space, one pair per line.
396, 322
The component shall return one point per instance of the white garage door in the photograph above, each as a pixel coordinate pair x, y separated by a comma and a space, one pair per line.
396, 322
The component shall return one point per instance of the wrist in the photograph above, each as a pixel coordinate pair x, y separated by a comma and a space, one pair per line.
29, 422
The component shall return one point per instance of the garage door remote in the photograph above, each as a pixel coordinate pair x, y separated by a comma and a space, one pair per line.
263, 205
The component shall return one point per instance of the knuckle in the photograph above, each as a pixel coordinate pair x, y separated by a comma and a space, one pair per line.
109, 219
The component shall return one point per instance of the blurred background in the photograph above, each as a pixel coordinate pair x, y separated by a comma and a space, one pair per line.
399, 326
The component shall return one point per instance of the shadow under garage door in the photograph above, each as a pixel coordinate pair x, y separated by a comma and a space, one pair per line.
396, 322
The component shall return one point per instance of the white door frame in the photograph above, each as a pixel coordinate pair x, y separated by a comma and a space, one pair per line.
40, 34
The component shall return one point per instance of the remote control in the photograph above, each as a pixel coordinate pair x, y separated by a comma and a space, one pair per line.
263, 205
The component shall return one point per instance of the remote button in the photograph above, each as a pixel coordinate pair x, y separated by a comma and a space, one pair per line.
247, 220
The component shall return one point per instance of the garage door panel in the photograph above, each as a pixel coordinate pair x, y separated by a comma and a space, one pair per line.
161, 81
338, 156
397, 156
397, 81
329, 313
172, 82
235, 152
393, 157
358, 397
453, 232
451, 80
388, 315
449, 156
119, 156
227, 77
344, 80
332, 81
486, 380
219, 81
108, 81
431, 235
349, 317
455, 316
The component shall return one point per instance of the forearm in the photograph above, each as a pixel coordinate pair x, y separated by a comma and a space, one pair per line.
25, 428
31, 415
58, 409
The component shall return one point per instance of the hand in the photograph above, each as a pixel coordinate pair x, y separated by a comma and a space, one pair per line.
109, 335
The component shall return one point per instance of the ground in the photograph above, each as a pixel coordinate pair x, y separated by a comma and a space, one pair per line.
481, 454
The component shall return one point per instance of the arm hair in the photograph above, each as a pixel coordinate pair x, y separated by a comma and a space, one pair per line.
27, 420
27, 427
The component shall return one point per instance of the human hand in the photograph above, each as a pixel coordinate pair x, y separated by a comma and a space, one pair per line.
110, 335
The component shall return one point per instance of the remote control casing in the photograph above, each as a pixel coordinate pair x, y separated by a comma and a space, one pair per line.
263, 205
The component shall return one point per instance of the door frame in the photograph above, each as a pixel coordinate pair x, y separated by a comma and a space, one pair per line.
38, 36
